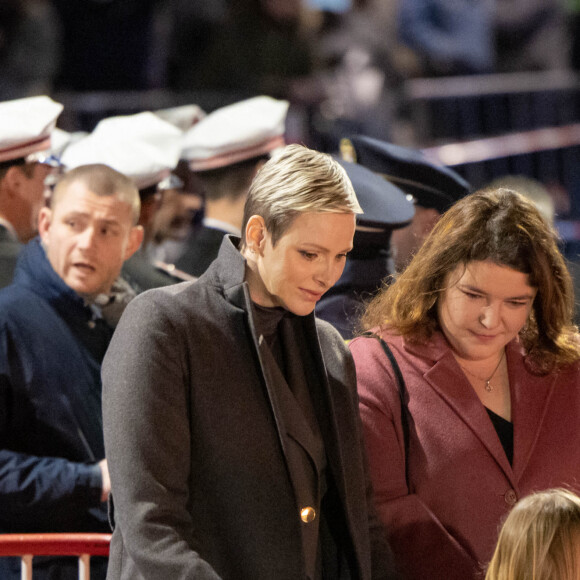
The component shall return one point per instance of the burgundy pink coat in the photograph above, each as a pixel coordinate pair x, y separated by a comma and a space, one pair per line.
443, 522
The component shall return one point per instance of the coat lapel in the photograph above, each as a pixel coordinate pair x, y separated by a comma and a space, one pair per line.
449, 382
294, 419
231, 275
325, 411
231, 272
530, 396
239, 297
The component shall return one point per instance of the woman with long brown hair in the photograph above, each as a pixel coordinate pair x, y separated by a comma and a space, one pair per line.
469, 384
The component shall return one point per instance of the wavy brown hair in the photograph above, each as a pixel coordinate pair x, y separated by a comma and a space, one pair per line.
502, 226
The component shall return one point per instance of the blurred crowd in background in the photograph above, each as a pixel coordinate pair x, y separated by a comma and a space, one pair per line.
420, 101
344, 66
344, 58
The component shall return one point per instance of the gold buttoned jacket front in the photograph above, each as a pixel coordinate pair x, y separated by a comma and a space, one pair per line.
196, 442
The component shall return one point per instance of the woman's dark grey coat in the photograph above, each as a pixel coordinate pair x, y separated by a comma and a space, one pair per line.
200, 479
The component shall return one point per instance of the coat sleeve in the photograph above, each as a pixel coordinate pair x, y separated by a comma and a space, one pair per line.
33, 487
422, 546
382, 559
146, 387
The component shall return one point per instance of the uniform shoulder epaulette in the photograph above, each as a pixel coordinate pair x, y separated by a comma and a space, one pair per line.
171, 270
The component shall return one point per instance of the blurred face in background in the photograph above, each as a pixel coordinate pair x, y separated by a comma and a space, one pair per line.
24, 190
406, 241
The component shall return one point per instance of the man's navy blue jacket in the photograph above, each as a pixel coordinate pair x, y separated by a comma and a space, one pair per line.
51, 348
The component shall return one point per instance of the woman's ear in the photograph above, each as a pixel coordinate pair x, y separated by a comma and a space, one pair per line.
255, 233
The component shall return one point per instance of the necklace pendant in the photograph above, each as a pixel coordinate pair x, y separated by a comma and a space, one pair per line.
488, 387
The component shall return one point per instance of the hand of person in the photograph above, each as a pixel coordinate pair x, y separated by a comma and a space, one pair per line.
106, 480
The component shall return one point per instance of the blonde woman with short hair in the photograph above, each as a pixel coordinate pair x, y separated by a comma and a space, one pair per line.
230, 412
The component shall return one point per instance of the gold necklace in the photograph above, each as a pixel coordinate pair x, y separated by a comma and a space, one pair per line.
487, 386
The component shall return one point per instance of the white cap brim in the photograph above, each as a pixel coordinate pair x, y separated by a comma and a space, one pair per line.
26, 126
235, 133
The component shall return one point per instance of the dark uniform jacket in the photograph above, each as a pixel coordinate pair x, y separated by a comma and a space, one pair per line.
201, 250
198, 448
364, 274
142, 274
9, 250
51, 346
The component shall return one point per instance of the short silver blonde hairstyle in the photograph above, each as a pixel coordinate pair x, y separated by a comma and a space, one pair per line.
298, 180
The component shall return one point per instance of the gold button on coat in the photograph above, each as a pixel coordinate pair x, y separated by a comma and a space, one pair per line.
307, 514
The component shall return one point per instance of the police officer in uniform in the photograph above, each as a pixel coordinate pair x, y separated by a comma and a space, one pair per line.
25, 131
433, 188
370, 263
225, 150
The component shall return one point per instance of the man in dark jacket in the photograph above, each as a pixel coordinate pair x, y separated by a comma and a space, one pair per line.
53, 475
146, 149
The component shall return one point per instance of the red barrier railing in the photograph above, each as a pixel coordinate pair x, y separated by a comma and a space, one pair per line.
26, 546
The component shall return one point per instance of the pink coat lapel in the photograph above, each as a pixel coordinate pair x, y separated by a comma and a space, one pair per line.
447, 379
530, 395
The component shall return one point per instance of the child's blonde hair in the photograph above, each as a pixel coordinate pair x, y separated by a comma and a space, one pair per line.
540, 539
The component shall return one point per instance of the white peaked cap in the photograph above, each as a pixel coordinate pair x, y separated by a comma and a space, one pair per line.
183, 117
26, 126
235, 133
60, 140
142, 146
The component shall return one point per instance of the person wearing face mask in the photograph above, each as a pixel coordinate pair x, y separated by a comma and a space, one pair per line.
230, 417
469, 384
53, 336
